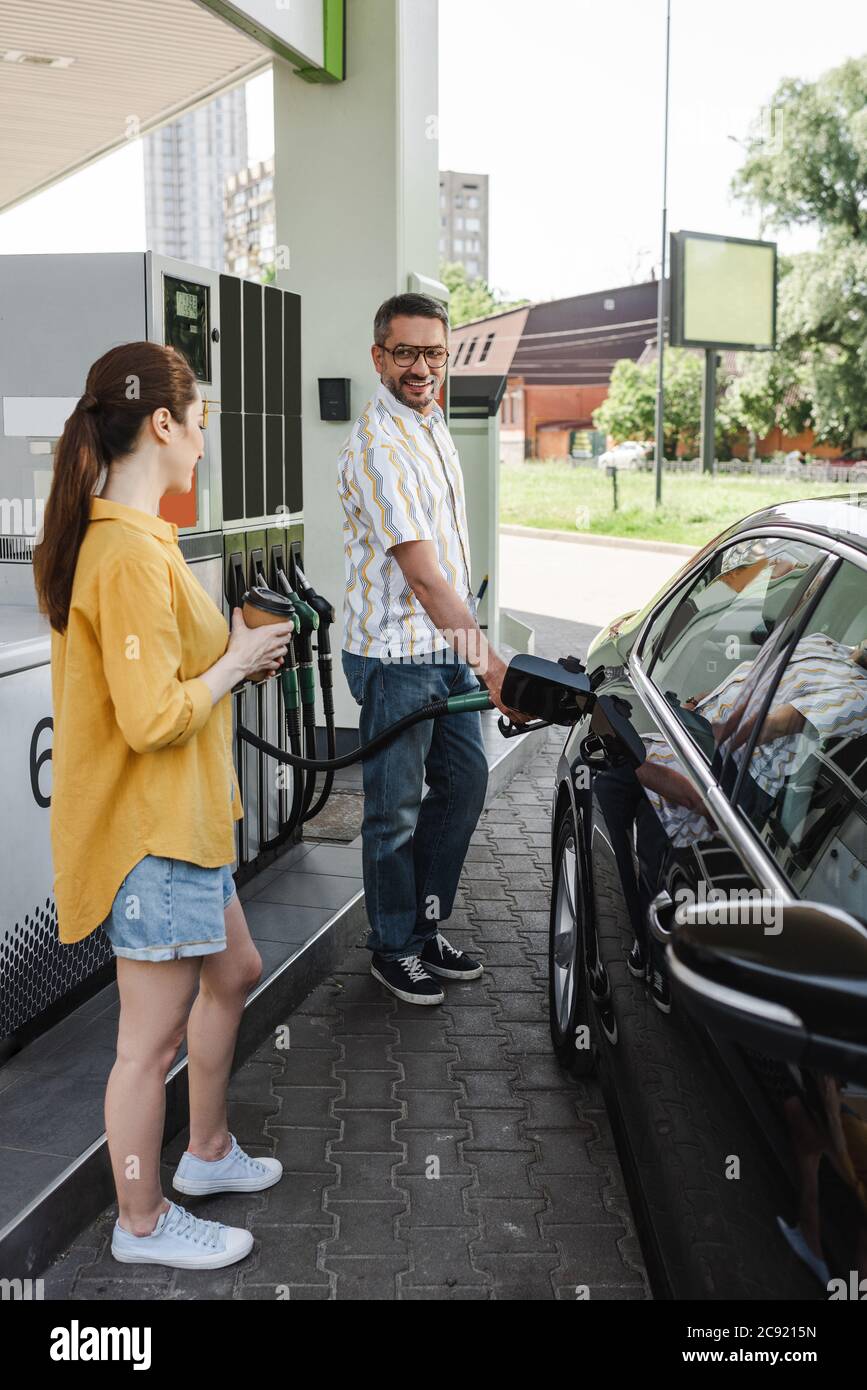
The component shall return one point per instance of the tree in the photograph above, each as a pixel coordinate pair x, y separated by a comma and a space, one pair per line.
472, 299
814, 171
628, 412
809, 165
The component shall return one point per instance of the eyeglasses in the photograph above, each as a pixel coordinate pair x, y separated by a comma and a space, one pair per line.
406, 356
205, 407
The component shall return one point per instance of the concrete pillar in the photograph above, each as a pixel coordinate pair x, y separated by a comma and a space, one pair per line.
356, 186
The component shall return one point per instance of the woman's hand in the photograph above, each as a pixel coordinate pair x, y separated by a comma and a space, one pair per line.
259, 649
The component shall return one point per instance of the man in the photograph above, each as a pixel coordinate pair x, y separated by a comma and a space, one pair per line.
410, 636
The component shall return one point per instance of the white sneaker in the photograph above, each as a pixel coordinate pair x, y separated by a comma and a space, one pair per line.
183, 1241
236, 1171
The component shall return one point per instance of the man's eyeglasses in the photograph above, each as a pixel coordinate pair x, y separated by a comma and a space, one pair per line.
406, 356
205, 406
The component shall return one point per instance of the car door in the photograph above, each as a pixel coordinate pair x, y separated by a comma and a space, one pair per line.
704, 1165
800, 786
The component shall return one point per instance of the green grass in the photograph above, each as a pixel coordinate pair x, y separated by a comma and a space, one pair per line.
694, 508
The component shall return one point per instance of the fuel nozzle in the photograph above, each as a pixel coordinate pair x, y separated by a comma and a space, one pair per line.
319, 604
308, 620
325, 610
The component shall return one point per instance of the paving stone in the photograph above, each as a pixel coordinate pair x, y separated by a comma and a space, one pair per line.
499, 1175
297, 1199
519, 1277
367, 1090
441, 1255
307, 1106
366, 1131
430, 1110
365, 1278
441, 1292
483, 1052
472, 1021
485, 1089
308, 1067
288, 1254
423, 1073
302, 1150
365, 1053
590, 1251
363, 1177
423, 1145
437, 1201
367, 1228
498, 1131
509, 1224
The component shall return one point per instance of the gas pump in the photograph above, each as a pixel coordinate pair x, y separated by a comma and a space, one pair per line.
242, 339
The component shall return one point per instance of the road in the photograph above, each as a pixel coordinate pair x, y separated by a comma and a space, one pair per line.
587, 585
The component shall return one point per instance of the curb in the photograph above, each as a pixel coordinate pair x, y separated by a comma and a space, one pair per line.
587, 538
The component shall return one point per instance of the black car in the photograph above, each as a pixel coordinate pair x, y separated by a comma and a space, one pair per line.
708, 943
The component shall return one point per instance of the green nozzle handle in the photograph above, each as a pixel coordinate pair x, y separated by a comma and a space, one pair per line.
308, 616
307, 678
463, 704
289, 681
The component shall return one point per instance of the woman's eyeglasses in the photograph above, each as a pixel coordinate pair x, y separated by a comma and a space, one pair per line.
406, 356
205, 407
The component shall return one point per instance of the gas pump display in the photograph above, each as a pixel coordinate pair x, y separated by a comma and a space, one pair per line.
187, 320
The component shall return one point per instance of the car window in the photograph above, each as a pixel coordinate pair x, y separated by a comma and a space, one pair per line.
803, 783
701, 647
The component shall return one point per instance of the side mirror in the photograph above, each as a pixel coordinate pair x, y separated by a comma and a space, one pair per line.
794, 988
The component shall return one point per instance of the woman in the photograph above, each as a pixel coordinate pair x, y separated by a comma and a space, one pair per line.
144, 793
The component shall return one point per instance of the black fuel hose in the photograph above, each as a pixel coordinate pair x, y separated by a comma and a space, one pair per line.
434, 709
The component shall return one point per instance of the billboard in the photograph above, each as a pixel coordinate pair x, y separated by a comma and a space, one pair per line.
723, 292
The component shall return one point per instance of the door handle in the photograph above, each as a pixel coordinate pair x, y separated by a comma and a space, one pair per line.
661, 903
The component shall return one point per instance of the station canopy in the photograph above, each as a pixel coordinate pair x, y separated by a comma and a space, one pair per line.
78, 80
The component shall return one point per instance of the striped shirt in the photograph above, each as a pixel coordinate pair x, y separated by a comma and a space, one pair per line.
400, 480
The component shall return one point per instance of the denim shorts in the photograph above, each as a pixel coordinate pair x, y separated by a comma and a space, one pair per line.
168, 908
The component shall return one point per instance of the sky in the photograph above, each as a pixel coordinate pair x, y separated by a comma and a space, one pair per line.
561, 103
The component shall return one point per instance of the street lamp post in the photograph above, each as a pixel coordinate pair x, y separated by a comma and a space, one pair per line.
660, 299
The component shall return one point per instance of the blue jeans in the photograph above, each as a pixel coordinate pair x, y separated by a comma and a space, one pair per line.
413, 848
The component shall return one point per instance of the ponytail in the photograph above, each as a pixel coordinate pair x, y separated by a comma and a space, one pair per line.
77, 470
124, 387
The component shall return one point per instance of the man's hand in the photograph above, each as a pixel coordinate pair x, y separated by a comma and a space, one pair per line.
493, 678
451, 616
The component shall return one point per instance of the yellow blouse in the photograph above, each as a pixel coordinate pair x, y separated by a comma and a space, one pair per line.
142, 761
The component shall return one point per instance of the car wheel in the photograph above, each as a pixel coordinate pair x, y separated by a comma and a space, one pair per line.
568, 1005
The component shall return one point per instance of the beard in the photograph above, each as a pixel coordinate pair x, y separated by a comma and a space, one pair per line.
396, 386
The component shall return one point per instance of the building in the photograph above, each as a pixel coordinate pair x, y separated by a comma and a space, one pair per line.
558, 357
248, 210
464, 221
186, 165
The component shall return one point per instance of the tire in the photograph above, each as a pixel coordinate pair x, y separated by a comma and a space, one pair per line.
568, 999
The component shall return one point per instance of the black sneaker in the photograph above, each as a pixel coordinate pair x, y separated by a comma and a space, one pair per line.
636, 962
441, 958
659, 990
407, 978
